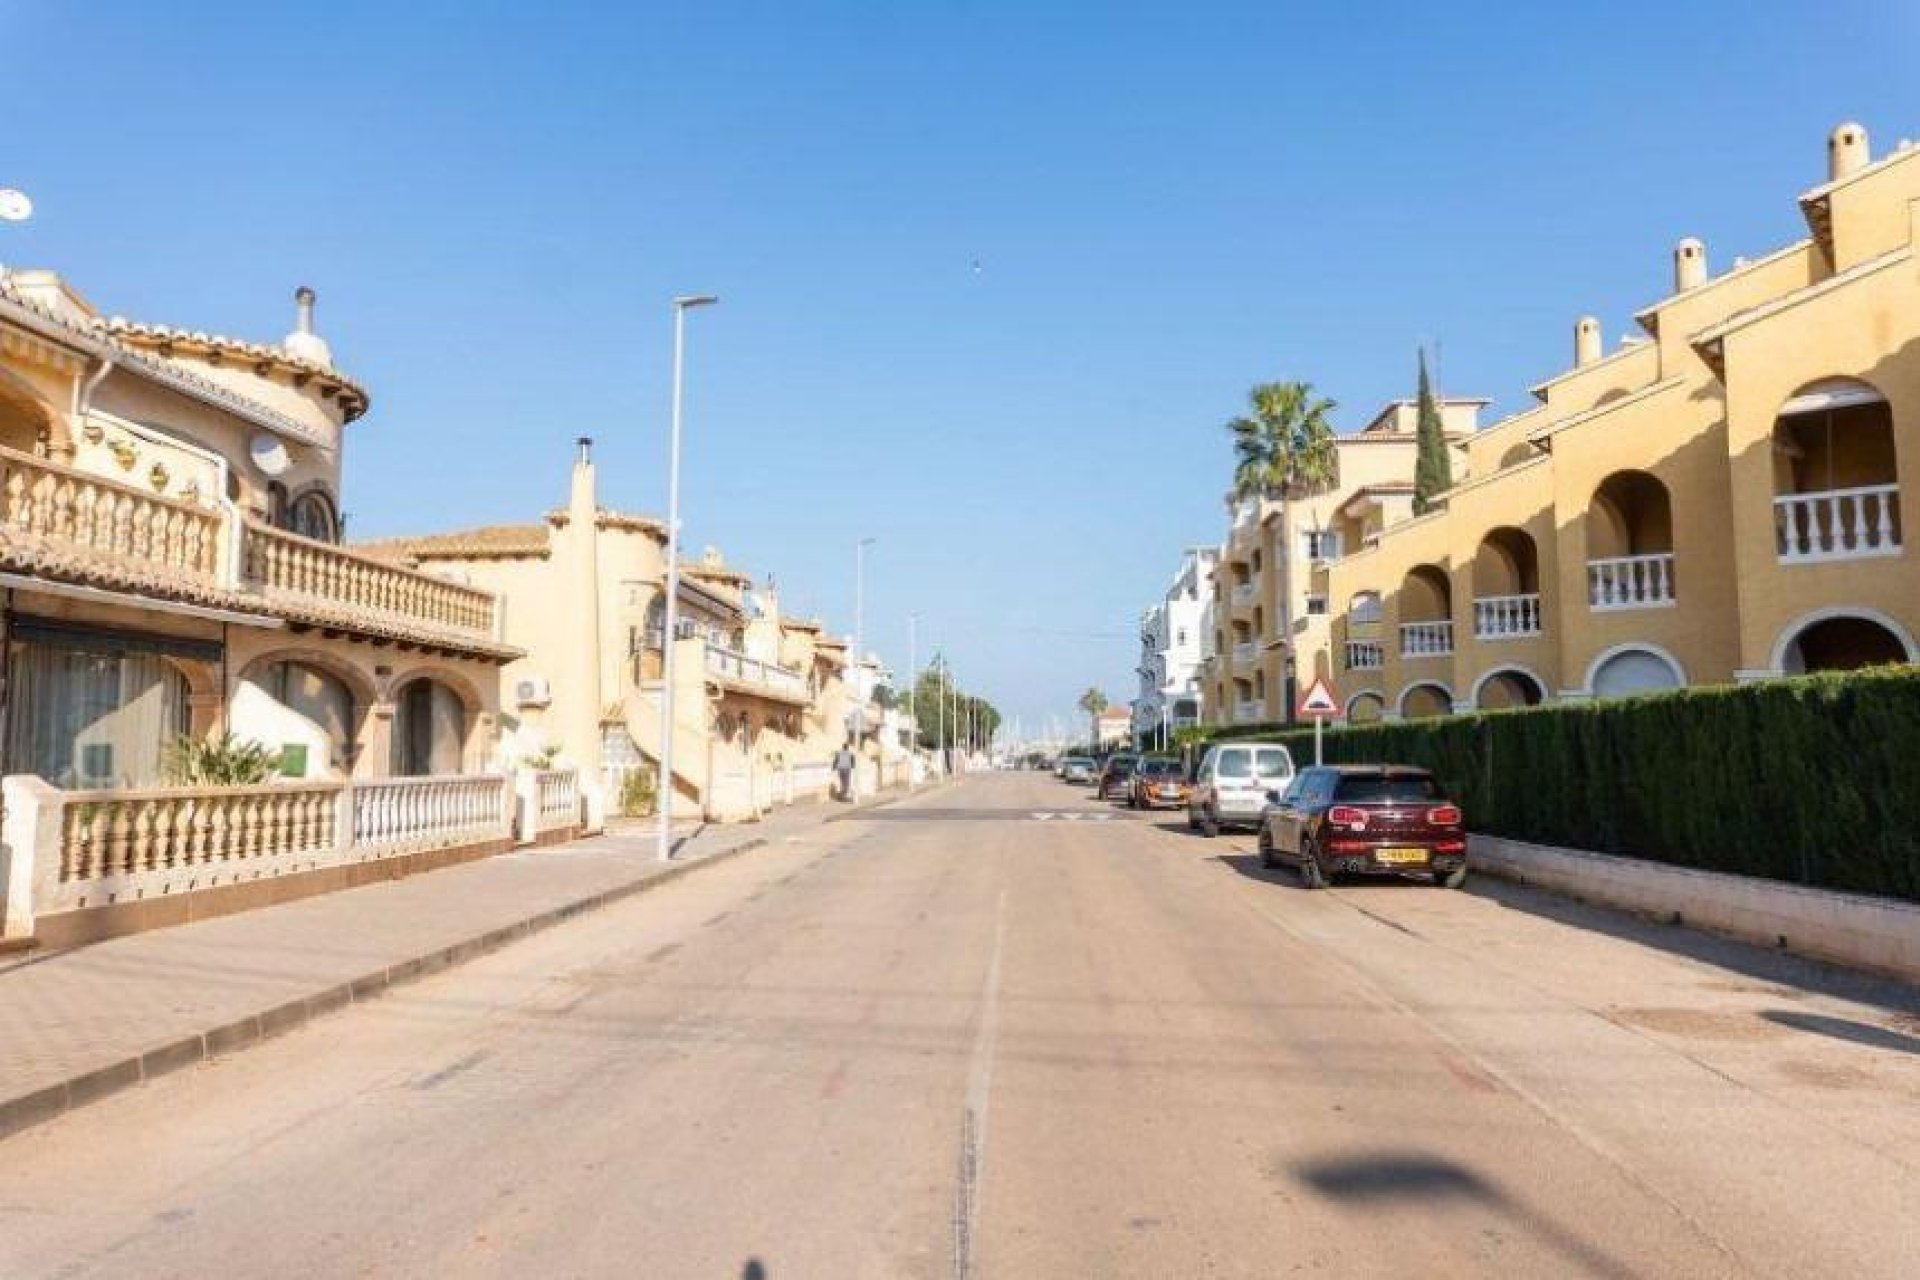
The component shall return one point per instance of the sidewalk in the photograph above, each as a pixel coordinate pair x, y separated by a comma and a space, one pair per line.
77, 1025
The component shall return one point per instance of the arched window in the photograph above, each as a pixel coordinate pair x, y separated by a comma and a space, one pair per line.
429, 730
313, 516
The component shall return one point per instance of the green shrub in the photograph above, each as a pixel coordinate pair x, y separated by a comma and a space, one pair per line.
225, 761
638, 795
1814, 780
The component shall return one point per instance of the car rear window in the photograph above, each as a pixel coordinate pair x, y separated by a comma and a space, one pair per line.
1273, 763
1399, 788
1161, 768
1233, 763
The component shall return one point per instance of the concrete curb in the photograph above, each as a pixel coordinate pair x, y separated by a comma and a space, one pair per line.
98, 1082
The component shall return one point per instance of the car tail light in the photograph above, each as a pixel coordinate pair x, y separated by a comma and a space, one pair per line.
1446, 815
1345, 815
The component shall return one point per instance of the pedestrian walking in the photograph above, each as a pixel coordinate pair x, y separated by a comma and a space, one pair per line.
843, 769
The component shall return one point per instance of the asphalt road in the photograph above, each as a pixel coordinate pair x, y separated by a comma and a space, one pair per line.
959, 1038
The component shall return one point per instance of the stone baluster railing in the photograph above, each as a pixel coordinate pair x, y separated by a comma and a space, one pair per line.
558, 792
392, 814
108, 835
65, 509
287, 566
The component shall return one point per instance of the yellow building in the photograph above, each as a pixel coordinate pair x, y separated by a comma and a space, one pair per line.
760, 699
1720, 498
1274, 548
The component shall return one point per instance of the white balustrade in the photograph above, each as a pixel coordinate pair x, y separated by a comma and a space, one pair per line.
732, 665
1365, 655
404, 814
1246, 653
557, 802
109, 835
1249, 712
1631, 582
1506, 617
1837, 524
1246, 594
1426, 639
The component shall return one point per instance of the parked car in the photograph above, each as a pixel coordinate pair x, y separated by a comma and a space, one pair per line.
1386, 820
1158, 783
1078, 769
1116, 775
1230, 787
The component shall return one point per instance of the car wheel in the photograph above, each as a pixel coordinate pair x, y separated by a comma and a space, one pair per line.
1451, 879
1209, 824
1311, 876
1266, 850
1193, 820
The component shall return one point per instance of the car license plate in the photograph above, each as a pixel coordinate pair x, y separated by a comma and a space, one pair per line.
1400, 856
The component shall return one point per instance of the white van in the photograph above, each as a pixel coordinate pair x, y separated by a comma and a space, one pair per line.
1230, 787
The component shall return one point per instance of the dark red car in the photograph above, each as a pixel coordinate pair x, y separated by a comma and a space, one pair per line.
1385, 820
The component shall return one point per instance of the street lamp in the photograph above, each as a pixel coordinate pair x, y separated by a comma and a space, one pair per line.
671, 619
859, 659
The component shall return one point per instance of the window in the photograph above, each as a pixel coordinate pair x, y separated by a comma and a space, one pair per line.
429, 730
1378, 788
85, 719
1316, 605
1181, 635
1322, 544
312, 516
1273, 762
1233, 763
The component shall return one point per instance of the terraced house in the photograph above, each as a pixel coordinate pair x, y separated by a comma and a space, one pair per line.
761, 699
1722, 497
171, 567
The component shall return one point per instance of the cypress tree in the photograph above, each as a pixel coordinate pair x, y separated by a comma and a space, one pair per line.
1433, 470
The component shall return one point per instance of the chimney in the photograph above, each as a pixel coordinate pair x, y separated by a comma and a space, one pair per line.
1586, 342
1847, 151
303, 343
1689, 265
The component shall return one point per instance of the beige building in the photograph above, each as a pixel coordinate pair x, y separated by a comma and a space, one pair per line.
761, 702
1274, 547
171, 569
1721, 497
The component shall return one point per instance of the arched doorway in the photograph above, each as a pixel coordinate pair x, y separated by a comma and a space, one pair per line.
315, 713
1844, 642
1424, 701
1506, 585
429, 729
1633, 669
1630, 543
1835, 474
1508, 688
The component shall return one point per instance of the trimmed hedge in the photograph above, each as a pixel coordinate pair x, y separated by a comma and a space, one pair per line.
1813, 780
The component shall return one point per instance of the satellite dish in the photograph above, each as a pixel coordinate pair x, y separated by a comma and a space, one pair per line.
14, 205
269, 453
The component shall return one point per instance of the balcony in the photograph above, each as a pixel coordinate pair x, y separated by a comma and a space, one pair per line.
1837, 524
1426, 639
1245, 595
69, 524
1631, 582
752, 675
1248, 711
1506, 617
1365, 655
1246, 653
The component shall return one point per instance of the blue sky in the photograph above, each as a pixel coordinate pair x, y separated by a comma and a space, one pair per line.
1167, 203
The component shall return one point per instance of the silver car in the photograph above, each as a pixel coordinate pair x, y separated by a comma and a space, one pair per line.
1230, 787
1077, 769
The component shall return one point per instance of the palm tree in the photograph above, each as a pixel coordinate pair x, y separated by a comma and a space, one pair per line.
1284, 449
1093, 702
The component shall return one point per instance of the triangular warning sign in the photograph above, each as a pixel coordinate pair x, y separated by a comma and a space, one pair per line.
1318, 700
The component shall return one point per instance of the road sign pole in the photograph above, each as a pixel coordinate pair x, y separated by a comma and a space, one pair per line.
1319, 723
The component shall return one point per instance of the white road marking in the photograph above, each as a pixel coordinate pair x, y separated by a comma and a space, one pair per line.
973, 1123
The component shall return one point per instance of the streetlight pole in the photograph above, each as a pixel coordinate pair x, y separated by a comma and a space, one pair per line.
913, 684
671, 619
859, 652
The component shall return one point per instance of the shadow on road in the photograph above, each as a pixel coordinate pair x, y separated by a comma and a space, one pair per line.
1416, 1180
1248, 865
1844, 1029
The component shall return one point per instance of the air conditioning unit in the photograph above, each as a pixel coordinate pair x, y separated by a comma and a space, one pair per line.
533, 692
